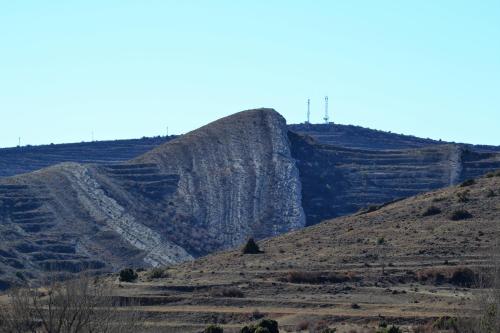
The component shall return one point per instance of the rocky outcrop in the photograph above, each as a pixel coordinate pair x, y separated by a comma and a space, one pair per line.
208, 190
340, 181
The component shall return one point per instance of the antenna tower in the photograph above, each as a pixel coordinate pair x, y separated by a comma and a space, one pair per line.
326, 118
308, 111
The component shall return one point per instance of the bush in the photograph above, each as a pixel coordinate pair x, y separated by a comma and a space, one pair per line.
463, 277
490, 194
271, 325
460, 214
468, 182
445, 323
157, 273
264, 326
316, 277
392, 329
214, 329
262, 330
463, 196
459, 276
128, 275
432, 210
251, 247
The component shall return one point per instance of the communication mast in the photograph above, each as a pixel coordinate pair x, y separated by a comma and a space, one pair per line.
326, 118
308, 111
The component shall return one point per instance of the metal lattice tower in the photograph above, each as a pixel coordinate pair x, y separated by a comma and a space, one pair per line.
308, 111
326, 118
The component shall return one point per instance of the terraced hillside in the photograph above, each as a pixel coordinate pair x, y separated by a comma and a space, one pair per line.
357, 137
14, 161
339, 181
407, 263
207, 190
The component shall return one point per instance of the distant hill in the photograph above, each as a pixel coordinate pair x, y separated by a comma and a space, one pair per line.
25, 159
17, 160
357, 137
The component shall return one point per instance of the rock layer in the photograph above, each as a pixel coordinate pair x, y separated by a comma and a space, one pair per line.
207, 190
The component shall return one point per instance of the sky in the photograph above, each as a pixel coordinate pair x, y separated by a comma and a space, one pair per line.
127, 69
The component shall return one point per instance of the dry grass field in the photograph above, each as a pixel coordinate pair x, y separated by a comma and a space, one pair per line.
407, 263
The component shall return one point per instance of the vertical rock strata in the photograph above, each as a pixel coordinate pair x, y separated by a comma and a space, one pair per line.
236, 178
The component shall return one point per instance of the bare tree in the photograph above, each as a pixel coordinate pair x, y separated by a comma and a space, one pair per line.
72, 306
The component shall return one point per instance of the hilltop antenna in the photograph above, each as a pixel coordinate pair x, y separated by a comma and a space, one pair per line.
326, 118
19, 142
167, 130
92, 136
308, 111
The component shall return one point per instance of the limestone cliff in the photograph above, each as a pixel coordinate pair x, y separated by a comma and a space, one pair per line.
207, 190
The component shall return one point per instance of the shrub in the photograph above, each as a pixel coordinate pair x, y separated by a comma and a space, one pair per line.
128, 275
392, 329
460, 214
463, 196
269, 324
213, 329
264, 326
355, 306
251, 247
459, 276
157, 273
262, 330
445, 323
432, 210
229, 292
463, 277
490, 194
468, 182
317, 277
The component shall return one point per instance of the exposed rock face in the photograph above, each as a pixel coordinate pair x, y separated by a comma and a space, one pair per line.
339, 181
235, 176
207, 190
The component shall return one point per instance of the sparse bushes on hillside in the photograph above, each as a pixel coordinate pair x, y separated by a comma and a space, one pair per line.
490, 193
492, 174
264, 326
458, 276
213, 329
157, 273
317, 277
251, 247
468, 182
79, 306
463, 196
392, 329
432, 210
128, 275
460, 214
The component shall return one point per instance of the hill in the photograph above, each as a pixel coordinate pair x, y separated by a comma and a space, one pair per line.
407, 263
25, 159
18, 160
207, 190
357, 137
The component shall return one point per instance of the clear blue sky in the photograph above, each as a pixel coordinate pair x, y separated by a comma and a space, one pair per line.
127, 69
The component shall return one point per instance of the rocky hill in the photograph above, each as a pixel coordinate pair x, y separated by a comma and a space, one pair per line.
339, 181
407, 263
207, 190
357, 137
